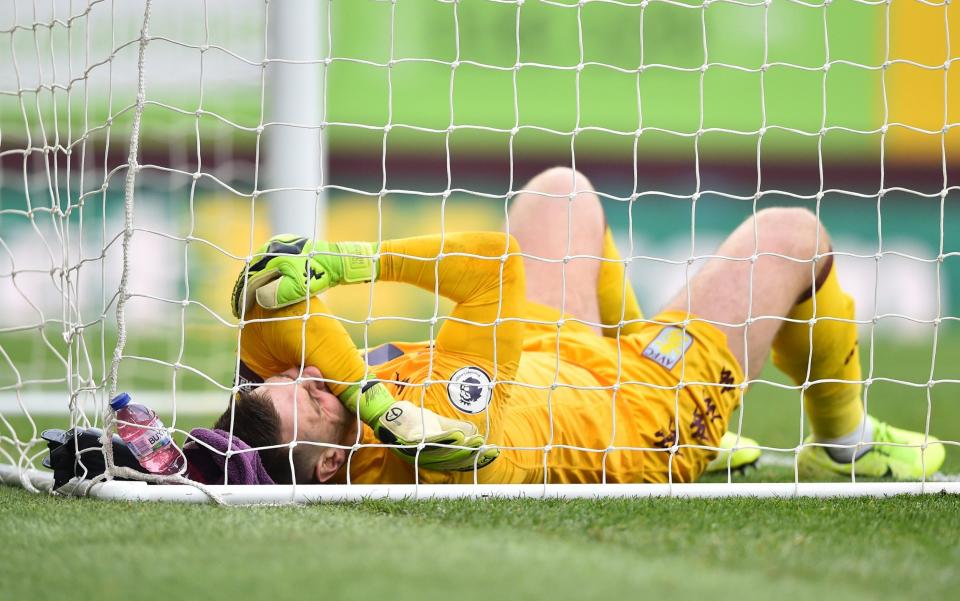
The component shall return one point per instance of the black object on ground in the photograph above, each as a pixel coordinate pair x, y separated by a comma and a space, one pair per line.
77, 453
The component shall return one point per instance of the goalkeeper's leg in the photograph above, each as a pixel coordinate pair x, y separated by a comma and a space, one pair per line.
833, 403
773, 275
561, 201
558, 201
559, 223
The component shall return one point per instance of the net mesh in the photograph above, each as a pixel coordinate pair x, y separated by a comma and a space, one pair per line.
136, 179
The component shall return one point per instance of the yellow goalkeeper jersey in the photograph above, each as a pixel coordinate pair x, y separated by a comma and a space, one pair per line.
564, 404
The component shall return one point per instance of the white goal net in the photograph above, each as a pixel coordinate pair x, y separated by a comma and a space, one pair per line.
148, 148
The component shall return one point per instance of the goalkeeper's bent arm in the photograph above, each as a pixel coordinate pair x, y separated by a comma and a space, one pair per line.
483, 273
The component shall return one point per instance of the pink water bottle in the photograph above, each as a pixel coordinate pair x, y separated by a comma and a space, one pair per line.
145, 435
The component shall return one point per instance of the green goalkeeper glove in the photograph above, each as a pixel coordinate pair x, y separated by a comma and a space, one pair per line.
291, 268
403, 423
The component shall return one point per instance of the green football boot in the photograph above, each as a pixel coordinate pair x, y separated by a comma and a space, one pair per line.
742, 458
902, 458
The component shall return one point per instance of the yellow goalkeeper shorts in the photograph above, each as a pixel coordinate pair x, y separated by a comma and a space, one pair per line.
677, 383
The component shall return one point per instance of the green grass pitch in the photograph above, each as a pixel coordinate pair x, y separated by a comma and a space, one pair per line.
713, 549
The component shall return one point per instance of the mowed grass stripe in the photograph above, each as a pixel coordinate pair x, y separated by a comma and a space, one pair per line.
721, 549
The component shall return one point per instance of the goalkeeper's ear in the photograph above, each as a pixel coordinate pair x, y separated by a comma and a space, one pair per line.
329, 463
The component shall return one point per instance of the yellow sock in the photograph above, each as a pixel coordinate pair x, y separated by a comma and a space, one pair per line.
834, 409
614, 294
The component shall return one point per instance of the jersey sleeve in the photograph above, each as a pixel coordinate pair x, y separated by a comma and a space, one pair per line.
482, 272
274, 341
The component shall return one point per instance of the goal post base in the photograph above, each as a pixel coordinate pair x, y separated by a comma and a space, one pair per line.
320, 493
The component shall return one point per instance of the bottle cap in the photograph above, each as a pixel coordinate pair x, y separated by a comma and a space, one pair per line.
120, 401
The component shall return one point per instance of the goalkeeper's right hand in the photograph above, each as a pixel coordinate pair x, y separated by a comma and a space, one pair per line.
407, 425
291, 268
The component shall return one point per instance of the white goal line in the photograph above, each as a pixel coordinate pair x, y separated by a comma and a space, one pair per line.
320, 493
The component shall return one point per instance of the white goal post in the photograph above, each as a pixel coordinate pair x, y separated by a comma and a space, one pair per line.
147, 148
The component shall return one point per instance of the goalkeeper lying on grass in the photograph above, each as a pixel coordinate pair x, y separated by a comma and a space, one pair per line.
504, 396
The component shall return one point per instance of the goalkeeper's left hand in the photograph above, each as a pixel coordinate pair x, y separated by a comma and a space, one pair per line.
290, 268
449, 444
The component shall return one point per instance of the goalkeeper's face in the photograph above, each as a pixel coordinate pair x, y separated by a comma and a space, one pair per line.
318, 414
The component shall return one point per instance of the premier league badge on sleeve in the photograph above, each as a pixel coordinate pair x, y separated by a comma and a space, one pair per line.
470, 390
668, 347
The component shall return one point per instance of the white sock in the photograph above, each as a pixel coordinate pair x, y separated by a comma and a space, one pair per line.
850, 452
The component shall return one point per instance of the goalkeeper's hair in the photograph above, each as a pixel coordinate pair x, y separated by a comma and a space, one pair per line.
257, 423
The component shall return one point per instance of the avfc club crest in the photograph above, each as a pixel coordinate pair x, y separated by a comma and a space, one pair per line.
469, 390
668, 347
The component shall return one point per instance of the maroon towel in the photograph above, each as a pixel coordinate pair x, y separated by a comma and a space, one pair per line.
206, 466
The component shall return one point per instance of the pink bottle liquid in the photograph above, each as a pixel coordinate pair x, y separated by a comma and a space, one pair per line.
145, 436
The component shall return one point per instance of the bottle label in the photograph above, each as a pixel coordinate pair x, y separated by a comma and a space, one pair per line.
148, 440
